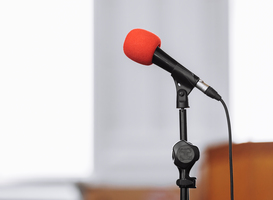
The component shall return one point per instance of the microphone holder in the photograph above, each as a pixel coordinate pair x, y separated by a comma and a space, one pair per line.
184, 153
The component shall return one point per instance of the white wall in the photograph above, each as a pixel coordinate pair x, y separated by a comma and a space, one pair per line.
251, 48
136, 120
46, 98
46, 90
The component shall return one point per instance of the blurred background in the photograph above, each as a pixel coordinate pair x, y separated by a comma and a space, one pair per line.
76, 112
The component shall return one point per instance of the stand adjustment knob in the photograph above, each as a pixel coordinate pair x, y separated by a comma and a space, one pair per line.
185, 154
186, 183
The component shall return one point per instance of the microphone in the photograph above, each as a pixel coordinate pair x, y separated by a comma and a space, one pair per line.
143, 47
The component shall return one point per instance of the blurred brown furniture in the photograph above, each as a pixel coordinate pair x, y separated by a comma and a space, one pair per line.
253, 173
253, 178
131, 194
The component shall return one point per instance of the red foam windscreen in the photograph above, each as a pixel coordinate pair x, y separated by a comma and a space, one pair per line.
140, 45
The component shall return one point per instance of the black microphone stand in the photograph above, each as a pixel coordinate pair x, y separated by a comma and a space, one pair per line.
184, 153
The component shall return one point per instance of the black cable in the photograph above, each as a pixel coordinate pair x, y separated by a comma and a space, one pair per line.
230, 151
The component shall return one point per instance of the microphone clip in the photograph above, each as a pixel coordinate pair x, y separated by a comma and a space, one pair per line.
181, 95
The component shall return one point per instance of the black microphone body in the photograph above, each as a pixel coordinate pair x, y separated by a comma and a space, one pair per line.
182, 74
178, 71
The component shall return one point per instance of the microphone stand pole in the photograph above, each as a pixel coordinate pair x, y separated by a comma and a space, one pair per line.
184, 153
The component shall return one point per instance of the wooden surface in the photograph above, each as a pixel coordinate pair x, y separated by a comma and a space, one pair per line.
253, 178
131, 194
253, 173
